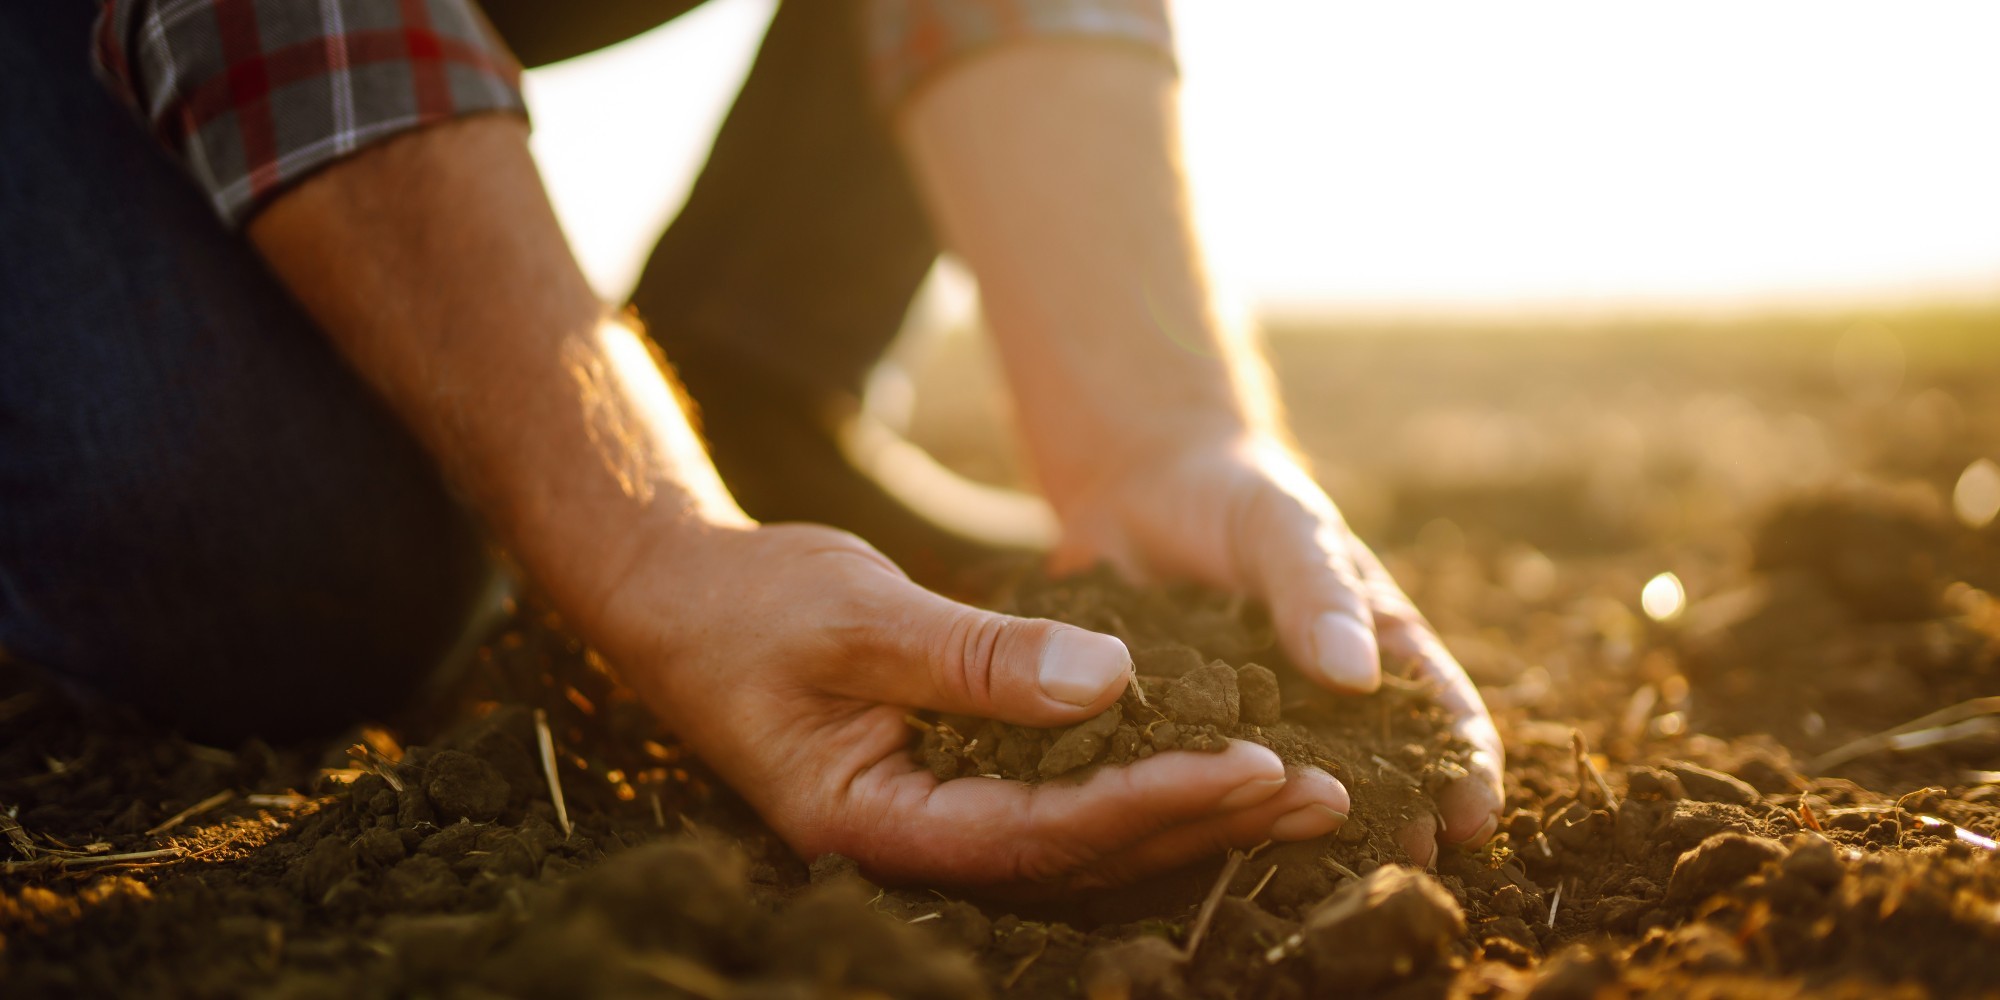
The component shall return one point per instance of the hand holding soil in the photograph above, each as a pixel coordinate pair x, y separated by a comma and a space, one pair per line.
794, 655
1245, 517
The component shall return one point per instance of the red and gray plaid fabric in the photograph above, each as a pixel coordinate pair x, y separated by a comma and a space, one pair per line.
254, 95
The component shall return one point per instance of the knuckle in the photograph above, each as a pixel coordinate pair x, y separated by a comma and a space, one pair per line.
965, 654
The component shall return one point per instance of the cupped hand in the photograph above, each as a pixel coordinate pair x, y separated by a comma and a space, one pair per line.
788, 656
1243, 514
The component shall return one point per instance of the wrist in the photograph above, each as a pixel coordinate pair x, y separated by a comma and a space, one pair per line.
1122, 464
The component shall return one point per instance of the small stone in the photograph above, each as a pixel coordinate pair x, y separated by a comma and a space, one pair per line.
460, 784
1205, 697
1692, 821
1653, 783
1260, 702
1719, 863
1714, 786
1081, 744
1394, 922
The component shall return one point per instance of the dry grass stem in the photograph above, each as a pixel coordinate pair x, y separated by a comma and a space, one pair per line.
1262, 882
1021, 967
1931, 730
62, 862
1554, 904
367, 759
1638, 712
1404, 684
547, 741
192, 811
1961, 834
1215, 894
286, 800
1587, 774
16, 835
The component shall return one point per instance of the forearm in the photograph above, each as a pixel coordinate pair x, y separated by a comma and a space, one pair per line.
436, 265
1054, 170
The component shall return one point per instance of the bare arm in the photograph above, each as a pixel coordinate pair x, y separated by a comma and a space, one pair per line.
786, 655
437, 266
1054, 169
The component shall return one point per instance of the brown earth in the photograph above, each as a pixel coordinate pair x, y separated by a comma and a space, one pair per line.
1688, 811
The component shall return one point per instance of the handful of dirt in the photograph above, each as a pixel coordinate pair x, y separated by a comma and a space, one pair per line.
1207, 669
1177, 702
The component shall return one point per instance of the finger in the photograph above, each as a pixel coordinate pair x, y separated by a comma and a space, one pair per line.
926, 651
1312, 804
1419, 840
985, 831
1317, 597
1470, 806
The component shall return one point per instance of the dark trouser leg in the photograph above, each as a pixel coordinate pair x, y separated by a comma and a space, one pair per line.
203, 512
778, 287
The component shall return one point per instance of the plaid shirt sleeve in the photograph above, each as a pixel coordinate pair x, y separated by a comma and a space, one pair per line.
254, 95
911, 41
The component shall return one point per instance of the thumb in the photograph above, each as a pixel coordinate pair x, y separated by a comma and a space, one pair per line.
943, 655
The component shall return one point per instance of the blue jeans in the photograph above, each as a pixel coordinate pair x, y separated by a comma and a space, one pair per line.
203, 512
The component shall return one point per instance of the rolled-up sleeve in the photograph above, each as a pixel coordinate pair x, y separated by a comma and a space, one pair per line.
912, 41
252, 96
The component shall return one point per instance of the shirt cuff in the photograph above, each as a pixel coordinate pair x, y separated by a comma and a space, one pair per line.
912, 41
251, 96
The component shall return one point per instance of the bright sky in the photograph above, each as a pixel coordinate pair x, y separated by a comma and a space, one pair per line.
1463, 154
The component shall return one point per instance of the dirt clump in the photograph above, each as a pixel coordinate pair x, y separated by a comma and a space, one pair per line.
1395, 922
1718, 863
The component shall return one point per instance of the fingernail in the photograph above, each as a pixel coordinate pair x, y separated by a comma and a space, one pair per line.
1307, 822
1344, 653
1483, 834
1078, 667
1250, 793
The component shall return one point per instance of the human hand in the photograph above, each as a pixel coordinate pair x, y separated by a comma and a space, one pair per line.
1242, 514
787, 656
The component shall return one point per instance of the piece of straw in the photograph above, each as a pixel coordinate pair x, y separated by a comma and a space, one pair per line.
192, 811
548, 744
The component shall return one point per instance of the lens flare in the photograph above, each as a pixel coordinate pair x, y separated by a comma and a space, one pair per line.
1663, 598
